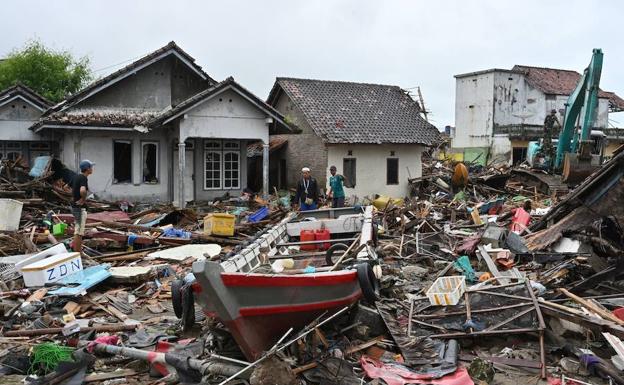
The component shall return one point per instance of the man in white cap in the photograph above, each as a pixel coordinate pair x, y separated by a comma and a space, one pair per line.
80, 189
307, 191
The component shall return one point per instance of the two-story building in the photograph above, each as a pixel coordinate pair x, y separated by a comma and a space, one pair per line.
498, 111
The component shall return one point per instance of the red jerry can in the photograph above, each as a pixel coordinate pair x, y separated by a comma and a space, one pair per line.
323, 235
306, 236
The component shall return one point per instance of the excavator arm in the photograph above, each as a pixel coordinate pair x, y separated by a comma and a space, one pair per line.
584, 99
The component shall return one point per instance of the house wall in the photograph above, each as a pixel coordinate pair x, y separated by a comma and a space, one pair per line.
228, 115
15, 118
371, 167
498, 99
155, 87
304, 149
97, 146
474, 116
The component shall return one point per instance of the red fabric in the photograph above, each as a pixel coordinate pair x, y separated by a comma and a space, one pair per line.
106, 340
520, 220
619, 312
399, 375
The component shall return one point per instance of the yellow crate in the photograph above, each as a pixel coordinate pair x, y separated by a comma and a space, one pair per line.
219, 224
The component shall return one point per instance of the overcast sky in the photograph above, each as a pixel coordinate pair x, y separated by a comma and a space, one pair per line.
405, 43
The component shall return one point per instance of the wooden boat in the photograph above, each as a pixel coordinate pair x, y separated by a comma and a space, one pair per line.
259, 307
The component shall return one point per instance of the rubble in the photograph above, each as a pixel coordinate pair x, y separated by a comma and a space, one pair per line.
536, 286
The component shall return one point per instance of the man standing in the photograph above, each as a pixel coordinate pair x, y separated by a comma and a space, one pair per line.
336, 188
550, 124
80, 189
307, 191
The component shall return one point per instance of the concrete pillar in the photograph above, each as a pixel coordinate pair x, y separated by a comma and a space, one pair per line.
181, 169
265, 170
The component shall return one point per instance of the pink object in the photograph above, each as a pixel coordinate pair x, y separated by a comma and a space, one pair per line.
400, 375
105, 340
323, 235
520, 220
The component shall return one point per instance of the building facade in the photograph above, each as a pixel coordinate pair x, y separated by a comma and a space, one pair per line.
374, 134
498, 111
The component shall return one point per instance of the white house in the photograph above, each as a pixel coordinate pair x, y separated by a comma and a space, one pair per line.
374, 134
497, 111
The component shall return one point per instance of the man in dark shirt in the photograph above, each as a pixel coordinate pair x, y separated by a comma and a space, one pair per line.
307, 191
80, 188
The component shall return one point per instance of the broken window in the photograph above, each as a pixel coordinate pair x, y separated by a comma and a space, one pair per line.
122, 161
392, 171
348, 171
150, 162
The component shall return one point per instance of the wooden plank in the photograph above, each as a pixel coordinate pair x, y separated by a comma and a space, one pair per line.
492, 266
591, 306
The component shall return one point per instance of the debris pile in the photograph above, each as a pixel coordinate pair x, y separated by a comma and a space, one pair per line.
475, 279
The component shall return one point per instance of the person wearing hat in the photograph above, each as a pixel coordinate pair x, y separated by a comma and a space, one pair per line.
307, 191
80, 189
336, 188
550, 124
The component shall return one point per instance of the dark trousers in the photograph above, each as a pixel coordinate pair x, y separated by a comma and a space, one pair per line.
338, 202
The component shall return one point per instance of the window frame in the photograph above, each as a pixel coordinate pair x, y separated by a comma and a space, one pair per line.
223, 148
157, 173
131, 179
350, 180
388, 160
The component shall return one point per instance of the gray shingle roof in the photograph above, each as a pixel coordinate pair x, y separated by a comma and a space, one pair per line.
344, 112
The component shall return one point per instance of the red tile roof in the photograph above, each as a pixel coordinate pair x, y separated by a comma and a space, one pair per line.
561, 82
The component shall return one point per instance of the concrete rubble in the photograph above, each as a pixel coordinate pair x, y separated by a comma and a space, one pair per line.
476, 278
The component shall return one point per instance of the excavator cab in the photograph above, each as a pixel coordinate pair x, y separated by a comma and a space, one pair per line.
578, 166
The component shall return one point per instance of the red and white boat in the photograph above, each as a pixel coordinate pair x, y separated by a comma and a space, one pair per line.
258, 308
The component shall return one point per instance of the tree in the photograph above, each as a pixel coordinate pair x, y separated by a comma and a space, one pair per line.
53, 74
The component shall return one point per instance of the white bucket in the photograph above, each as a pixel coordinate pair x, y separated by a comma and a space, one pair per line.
10, 214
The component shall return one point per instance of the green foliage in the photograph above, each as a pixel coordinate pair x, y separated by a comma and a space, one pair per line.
52, 74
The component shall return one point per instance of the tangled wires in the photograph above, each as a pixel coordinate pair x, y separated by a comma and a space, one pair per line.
46, 357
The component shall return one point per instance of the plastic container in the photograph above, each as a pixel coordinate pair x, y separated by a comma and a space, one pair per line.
51, 269
307, 236
10, 214
59, 228
323, 235
259, 215
447, 290
219, 224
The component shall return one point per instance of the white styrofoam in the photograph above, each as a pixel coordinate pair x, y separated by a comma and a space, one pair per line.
10, 214
180, 253
51, 269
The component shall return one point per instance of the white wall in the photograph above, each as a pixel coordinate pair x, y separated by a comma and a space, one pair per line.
228, 116
473, 110
371, 167
97, 146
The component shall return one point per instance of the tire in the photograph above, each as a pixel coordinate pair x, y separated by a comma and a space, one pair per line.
188, 309
176, 296
329, 254
368, 282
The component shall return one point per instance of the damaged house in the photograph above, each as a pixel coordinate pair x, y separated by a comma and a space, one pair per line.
158, 121
498, 111
374, 134
21, 107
